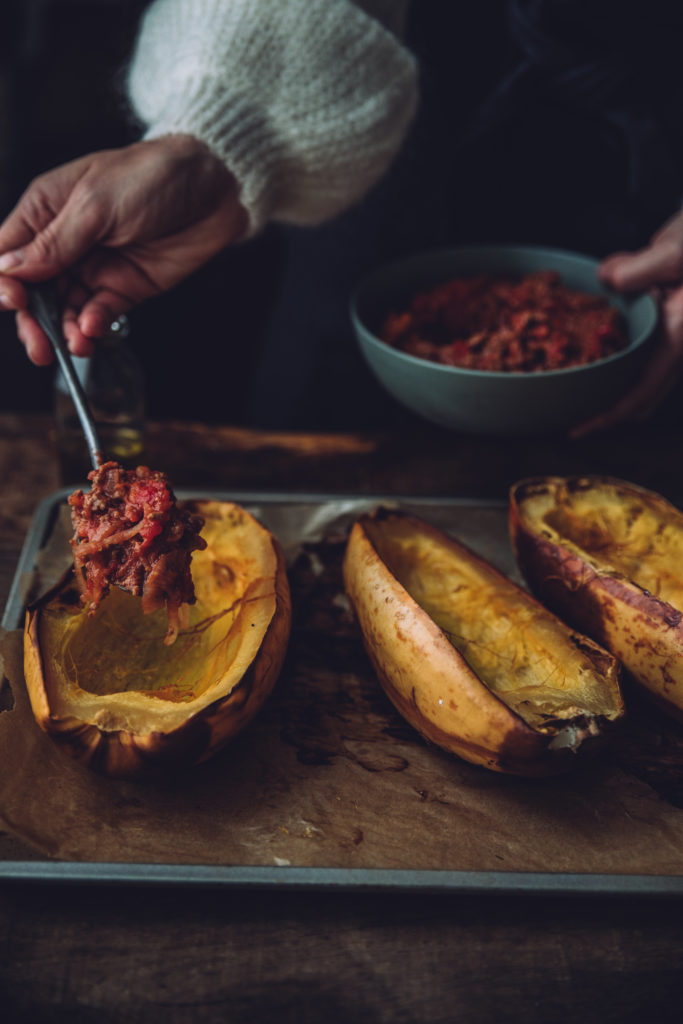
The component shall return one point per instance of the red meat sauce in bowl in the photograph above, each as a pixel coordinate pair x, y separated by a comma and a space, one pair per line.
550, 349
528, 325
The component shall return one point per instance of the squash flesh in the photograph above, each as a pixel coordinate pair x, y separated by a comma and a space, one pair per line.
606, 555
112, 673
622, 531
513, 645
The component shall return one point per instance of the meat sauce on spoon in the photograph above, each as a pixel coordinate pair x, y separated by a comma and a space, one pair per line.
129, 532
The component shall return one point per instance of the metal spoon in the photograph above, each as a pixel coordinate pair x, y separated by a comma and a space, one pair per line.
43, 306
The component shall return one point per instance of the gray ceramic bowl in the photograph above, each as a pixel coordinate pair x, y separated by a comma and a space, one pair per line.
488, 402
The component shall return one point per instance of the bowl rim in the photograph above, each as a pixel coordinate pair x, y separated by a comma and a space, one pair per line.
507, 248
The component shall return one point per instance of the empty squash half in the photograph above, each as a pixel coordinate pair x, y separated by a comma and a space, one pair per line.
107, 688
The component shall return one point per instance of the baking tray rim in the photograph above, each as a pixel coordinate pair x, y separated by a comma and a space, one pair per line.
290, 877
13, 613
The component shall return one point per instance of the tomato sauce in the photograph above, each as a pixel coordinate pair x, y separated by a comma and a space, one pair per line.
522, 326
130, 532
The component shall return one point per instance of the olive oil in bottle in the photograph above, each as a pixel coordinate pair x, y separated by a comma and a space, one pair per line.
113, 383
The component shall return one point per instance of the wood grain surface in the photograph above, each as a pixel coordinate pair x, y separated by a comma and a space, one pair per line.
107, 953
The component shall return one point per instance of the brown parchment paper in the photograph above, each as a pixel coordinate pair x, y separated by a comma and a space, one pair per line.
329, 775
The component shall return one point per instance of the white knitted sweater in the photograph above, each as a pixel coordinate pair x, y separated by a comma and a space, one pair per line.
305, 101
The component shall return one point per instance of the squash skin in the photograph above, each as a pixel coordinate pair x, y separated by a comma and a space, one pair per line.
644, 631
432, 685
156, 749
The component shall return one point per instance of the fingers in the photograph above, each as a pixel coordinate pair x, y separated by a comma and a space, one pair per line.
672, 318
54, 229
37, 207
37, 346
12, 293
660, 376
60, 245
56, 221
19, 228
659, 263
85, 318
658, 266
89, 316
637, 271
100, 312
78, 343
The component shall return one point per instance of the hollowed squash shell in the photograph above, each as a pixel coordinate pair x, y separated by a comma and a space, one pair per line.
108, 689
469, 659
607, 556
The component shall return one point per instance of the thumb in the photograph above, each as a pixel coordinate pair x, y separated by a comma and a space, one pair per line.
639, 270
62, 242
658, 263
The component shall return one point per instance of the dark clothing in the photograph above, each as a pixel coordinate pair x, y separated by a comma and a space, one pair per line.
556, 122
551, 123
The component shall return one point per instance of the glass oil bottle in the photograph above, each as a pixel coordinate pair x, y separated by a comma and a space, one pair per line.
113, 382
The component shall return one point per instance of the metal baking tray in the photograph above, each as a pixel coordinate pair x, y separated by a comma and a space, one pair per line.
22, 863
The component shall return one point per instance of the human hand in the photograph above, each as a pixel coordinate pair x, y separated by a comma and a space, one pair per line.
658, 267
115, 228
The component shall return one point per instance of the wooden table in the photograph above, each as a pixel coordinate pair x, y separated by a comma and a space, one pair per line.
141, 954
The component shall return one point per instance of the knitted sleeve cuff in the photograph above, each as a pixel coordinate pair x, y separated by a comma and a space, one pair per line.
305, 101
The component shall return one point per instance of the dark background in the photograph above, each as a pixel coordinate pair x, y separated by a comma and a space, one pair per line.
58, 100
62, 64
261, 336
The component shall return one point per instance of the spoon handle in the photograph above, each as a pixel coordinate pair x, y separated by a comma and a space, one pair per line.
43, 307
